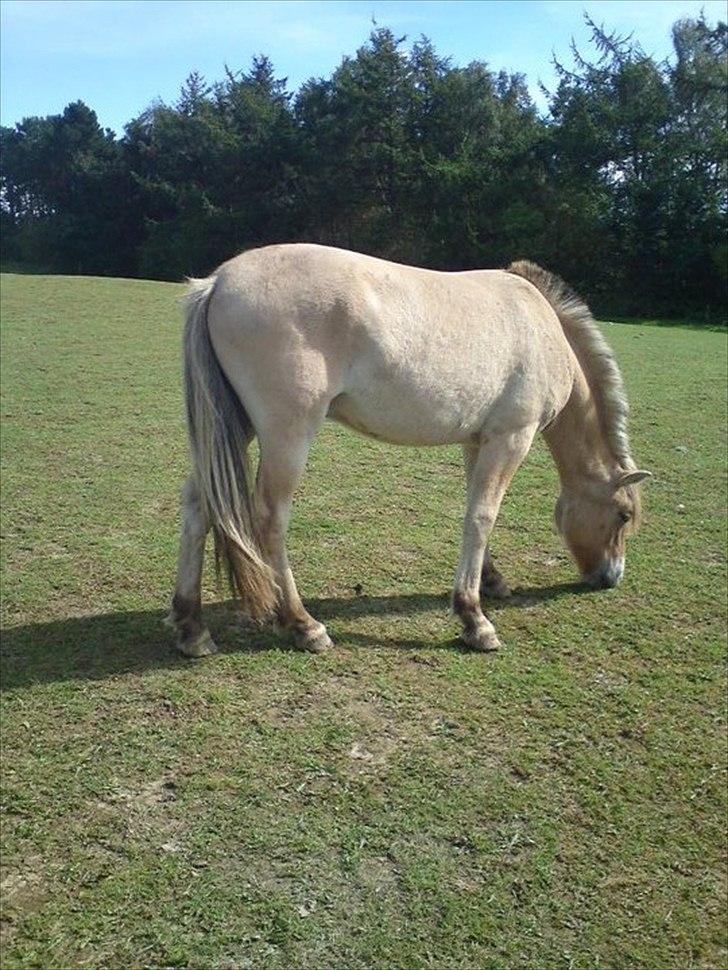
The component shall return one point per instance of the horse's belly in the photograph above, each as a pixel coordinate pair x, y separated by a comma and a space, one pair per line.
428, 416
397, 425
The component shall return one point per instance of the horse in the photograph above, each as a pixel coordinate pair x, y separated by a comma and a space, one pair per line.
280, 338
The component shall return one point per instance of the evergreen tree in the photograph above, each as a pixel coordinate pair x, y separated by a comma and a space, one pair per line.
66, 194
621, 188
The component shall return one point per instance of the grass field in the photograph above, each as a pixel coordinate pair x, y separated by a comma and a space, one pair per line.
397, 803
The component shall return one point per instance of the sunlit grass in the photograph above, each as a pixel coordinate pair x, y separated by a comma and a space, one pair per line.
397, 803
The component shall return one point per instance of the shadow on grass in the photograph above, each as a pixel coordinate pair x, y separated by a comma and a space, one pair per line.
97, 647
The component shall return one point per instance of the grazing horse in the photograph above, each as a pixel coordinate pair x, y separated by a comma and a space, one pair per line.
280, 338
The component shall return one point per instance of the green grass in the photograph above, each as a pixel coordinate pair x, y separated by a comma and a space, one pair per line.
711, 324
397, 803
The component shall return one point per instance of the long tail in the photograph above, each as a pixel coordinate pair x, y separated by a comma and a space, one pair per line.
592, 351
220, 432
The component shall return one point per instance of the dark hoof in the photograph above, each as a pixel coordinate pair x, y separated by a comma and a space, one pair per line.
315, 640
483, 641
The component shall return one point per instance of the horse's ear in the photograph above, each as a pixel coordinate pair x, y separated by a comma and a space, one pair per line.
632, 478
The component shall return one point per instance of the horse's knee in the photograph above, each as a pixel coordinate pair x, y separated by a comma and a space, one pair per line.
481, 522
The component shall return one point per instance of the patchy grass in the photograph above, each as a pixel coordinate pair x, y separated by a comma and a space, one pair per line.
397, 803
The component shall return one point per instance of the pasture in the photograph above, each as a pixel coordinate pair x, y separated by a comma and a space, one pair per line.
397, 802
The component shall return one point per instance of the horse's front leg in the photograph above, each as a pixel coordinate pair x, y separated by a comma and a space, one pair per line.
194, 638
492, 465
492, 582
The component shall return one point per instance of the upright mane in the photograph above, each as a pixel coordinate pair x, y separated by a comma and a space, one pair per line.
593, 353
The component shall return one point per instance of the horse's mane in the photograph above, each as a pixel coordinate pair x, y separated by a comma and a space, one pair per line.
593, 353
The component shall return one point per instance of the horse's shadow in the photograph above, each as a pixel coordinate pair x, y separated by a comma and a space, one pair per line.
97, 647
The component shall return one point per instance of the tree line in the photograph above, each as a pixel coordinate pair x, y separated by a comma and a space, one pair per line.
619, 186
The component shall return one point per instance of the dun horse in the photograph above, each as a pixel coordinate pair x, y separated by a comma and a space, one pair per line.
281, 338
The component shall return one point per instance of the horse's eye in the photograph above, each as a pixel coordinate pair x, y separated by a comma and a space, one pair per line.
624, 517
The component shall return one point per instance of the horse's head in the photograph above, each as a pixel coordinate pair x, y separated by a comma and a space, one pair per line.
595, 523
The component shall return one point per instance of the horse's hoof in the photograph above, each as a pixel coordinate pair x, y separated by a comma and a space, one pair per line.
484, 641
314, 641
200, 646
496, 589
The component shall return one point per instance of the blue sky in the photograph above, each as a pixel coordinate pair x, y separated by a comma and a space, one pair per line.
119, 55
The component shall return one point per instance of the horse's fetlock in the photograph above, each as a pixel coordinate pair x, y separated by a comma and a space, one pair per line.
465, 602
184, 608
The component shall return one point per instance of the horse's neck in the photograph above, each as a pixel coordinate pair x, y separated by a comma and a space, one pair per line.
577, 441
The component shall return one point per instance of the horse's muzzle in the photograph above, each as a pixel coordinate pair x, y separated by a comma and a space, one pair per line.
607, 576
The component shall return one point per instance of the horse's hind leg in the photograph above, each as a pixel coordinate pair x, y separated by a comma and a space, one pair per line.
282, 462
185, 616
492, 581
491, 470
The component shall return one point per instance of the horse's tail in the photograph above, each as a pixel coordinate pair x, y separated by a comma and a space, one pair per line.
591, 349
220, 432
